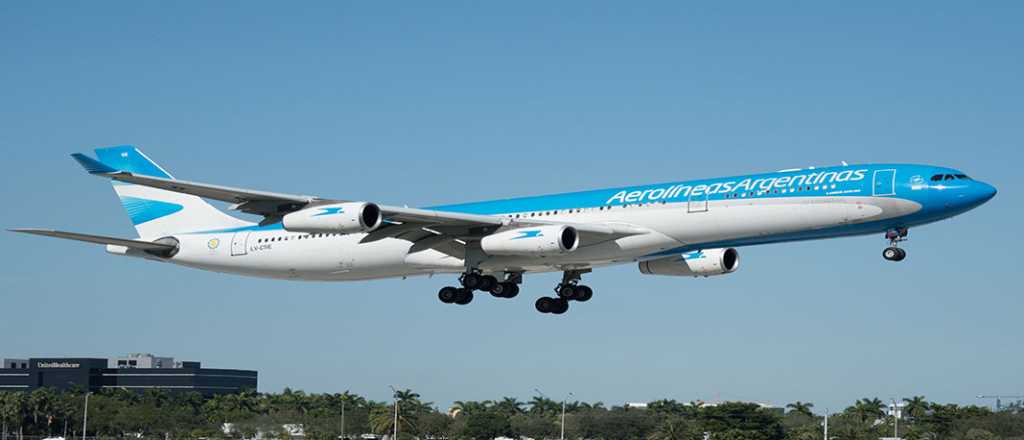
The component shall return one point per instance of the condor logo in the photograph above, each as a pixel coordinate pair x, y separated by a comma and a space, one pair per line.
528, 234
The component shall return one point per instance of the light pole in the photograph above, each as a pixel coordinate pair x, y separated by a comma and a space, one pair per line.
567, 396
826, 423
343, 419
395, 395
85, 416
895, 420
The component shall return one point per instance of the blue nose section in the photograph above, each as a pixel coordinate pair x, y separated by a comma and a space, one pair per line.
983, 192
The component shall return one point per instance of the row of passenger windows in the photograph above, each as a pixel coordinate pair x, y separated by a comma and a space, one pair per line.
780, 191
939, 177
296, 237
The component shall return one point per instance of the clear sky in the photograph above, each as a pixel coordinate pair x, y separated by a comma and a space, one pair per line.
421, 103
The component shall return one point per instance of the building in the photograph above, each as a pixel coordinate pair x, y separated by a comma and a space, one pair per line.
136, 372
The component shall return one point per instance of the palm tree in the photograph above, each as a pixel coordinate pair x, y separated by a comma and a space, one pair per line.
510, 406
543, 405
801, 408
867, 409
916, 406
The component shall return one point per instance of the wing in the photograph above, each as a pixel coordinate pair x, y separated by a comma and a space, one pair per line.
148, 246
425, 227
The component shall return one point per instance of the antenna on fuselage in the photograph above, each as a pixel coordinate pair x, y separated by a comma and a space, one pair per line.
844, 163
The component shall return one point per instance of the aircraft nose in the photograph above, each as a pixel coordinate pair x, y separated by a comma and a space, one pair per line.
985, 192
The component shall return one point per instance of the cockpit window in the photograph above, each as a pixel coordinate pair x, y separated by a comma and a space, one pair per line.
936, 177
963, 177
949, 177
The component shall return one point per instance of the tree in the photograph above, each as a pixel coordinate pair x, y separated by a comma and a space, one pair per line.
486, 425
509, 406
801, 407
543, 405
676, 428
915, 406
867, 409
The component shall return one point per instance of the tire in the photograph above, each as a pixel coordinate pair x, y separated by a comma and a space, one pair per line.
471, 281
499, 290
583, 293
567, 291
901, 255
545, 304
561, 306
891, 253
512, 290
487, 282
448, 294
465, 297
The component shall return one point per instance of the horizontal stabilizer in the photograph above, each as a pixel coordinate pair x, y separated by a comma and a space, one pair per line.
91, 165
99, 239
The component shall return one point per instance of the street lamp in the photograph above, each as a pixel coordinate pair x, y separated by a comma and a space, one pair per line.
895, 420
567, 396
85, 416
395, 395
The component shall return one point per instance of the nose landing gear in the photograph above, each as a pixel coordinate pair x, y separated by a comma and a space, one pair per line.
893, 252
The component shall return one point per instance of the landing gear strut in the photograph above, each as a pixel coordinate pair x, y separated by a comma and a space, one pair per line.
893, 252
474, 280
568, 290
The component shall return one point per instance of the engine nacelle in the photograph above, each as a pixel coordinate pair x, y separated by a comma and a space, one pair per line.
539, 240
700, 263
345, 218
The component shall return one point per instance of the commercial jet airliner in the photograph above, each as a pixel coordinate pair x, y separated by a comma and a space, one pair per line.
686, 228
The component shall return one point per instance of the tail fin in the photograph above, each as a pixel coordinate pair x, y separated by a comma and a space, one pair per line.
156, 212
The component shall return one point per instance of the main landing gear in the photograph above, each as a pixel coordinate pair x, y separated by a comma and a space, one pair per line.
476, 281
568, 290
893, 252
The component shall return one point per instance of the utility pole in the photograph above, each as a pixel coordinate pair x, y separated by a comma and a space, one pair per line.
342, 420
396, 410
826, 424
895, 419
85, 416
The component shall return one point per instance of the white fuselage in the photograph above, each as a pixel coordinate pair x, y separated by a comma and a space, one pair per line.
277, 253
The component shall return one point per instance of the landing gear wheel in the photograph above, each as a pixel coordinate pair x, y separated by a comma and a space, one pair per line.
499, 290
505, 290
894, 254
465, 296
448, 294
567, 291
512, 290
561, 306
487, 282
545, 304
472, 281
583, 293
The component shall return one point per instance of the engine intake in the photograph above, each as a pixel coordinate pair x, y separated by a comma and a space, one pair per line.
535, 241
345, 218
700, 263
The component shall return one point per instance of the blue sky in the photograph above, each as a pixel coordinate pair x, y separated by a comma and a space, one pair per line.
416, 103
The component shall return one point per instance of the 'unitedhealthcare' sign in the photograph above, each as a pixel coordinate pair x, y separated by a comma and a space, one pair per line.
57, 365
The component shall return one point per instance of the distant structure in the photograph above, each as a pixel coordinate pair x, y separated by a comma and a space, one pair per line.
134, 372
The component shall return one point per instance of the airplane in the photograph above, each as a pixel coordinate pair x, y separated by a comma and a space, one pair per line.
686, 228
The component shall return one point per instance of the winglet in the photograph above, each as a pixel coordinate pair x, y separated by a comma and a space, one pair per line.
91, 165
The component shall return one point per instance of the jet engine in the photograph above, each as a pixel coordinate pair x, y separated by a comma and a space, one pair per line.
345, 218
535, 241
700, 263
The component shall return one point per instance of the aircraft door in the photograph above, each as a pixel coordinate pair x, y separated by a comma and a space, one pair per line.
238, 243
697, 203
884, 183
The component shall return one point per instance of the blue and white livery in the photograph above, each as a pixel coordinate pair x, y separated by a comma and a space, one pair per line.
687, 228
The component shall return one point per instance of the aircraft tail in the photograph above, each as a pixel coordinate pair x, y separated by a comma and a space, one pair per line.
155, 212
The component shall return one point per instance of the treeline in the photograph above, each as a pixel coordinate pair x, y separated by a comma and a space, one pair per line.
161, 415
